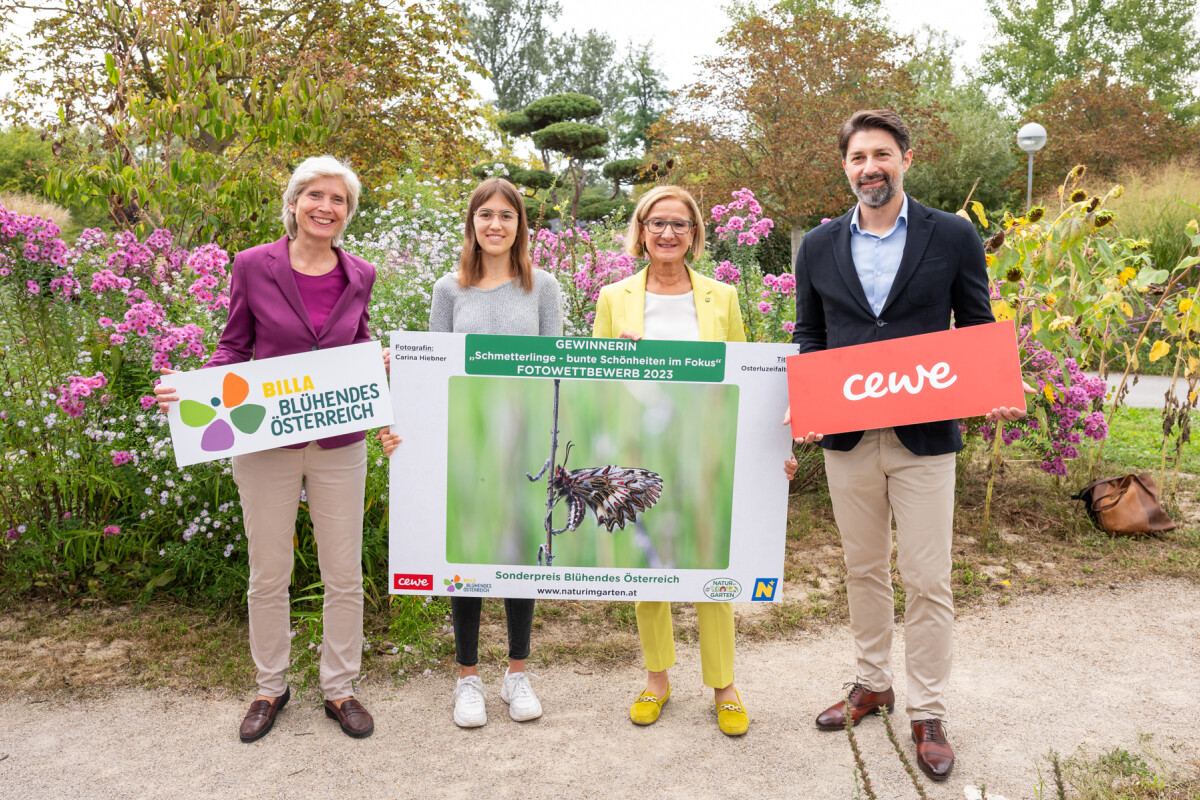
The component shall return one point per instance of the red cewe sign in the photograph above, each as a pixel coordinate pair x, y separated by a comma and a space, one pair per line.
946, 375
413, 583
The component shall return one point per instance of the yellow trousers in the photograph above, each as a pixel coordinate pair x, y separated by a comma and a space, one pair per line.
716, 639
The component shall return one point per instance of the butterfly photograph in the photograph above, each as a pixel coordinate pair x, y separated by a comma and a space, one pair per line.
641, 474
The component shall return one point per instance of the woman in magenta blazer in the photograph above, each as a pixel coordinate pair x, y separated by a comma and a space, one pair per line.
302, 292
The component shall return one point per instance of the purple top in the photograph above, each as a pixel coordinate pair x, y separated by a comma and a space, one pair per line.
268, 318
320, 293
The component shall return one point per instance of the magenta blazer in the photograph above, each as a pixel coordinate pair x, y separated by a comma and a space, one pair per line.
267, 316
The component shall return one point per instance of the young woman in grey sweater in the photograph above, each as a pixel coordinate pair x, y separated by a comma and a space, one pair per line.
496, 290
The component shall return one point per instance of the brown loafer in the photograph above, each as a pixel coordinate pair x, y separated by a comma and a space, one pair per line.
862, 702
353, 718
934, 756
261, 716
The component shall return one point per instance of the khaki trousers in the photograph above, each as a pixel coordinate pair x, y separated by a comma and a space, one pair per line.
269, 483
878, 480
715, 621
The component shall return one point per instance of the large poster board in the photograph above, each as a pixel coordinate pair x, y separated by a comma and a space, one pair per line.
666, 479
273, 402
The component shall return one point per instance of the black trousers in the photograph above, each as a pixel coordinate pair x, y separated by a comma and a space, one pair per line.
464, 613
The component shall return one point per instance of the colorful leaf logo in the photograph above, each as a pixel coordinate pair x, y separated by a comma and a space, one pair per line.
219, 435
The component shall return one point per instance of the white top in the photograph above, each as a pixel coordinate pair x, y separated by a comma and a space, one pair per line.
671, 316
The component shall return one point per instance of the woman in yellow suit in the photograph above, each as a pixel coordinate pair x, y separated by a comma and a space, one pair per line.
667, 300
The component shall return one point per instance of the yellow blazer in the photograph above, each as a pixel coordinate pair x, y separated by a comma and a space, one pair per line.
622, 307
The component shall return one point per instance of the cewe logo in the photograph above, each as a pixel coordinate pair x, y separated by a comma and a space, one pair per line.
412, 582
218, 436
764, 589
722, 589
873, 386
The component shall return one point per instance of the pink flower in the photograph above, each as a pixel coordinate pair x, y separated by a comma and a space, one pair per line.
765, 307
121, 457
111, 530
32, 287
148, 402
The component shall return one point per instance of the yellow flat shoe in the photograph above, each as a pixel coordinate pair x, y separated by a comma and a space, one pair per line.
647, 707
732, 718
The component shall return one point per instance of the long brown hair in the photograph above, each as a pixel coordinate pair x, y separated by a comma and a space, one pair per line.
470, 264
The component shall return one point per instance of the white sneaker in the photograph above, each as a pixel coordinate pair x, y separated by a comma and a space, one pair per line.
469, 710
522, 702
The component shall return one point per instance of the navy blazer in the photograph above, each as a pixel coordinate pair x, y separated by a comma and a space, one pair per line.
942, 272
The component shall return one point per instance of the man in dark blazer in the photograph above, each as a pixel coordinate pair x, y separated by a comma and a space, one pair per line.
889, 268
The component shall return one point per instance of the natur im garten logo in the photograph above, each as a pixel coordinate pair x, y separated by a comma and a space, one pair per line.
722, 589
218, 436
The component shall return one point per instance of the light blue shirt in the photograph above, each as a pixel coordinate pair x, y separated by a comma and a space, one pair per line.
877, 258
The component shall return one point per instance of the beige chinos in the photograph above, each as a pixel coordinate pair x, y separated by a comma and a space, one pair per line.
334, 481
869, 485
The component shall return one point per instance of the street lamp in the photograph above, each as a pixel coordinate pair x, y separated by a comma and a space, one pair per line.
1031, 138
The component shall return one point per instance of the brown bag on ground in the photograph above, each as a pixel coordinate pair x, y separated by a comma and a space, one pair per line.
1128, 504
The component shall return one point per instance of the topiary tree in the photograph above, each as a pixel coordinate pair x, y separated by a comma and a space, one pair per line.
554, 123
532, 179
627, 170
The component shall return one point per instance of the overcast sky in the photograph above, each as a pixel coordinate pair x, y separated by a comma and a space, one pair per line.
685, 31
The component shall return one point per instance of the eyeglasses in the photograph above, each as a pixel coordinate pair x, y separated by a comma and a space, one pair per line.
486, 215
679, 226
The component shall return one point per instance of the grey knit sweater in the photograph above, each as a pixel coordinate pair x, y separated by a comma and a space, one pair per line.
506, 309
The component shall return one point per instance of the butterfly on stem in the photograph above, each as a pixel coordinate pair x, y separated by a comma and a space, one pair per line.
615, 495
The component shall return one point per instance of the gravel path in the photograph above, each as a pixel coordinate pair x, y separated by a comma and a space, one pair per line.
1098, 667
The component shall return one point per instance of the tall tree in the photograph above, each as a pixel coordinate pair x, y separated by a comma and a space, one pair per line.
1151, 43
510, 40
1081, 117
643, 102
767, 112
982, 145
399, 66
587, 64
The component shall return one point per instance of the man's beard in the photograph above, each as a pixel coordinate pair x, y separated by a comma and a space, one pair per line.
877, 197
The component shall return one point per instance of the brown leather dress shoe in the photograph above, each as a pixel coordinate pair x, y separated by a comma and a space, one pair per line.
353, 718
934, 756
261, 716
862, 702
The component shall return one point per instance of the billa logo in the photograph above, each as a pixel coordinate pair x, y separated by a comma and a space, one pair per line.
412, 583
764, 589
722, 589
246, 417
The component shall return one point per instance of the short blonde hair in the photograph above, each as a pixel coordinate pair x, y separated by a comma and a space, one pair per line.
311, 169
633, 234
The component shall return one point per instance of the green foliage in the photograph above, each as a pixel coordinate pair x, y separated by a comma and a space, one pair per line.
627, 170
980, 142
1151, 43
617, 210
24, 157
1157, 205
588, 65
539, 209
218, 127
516, 124
510, 40
560, 108
401, 67
644, 98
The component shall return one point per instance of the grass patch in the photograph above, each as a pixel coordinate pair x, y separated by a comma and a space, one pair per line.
1119, 774
1135, 441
